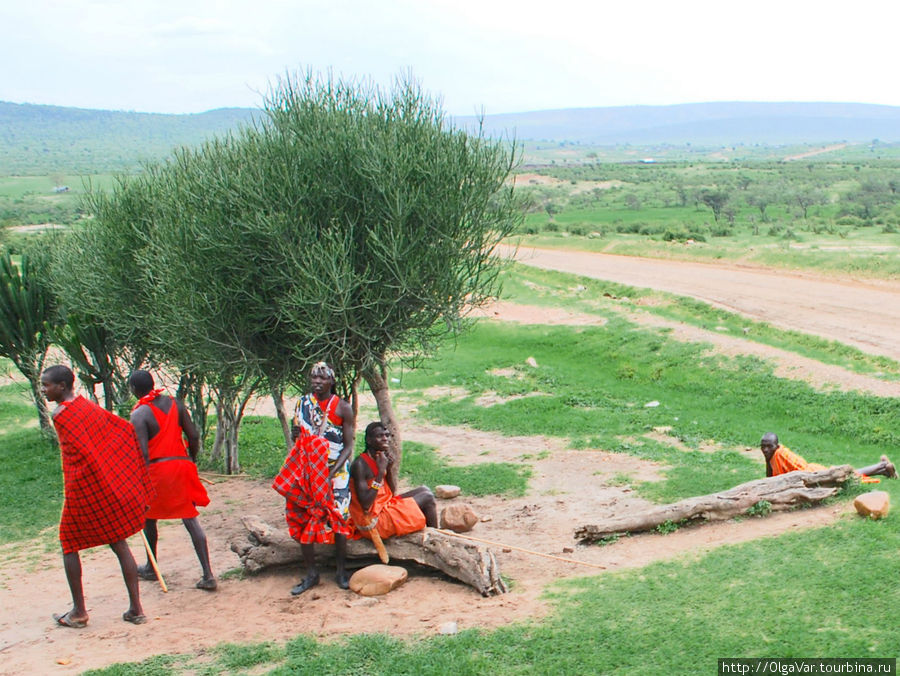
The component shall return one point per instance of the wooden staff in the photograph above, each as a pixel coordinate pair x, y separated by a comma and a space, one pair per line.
162, 583
370, 528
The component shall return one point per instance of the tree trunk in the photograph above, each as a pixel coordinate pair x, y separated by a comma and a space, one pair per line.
264, 546
34, 381
781, 492
218, 438
190, 391
376, 378
278, 398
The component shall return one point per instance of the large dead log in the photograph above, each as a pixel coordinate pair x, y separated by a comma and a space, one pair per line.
781, 492
265, 546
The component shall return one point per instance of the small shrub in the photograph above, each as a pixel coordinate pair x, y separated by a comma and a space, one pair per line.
761, 508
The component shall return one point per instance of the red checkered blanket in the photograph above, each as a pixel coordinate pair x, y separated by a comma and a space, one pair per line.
310, 511
106, 483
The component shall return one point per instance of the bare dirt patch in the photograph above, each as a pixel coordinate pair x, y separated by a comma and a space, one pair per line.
817, 151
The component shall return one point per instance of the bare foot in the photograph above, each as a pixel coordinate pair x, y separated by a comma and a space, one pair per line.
67, 620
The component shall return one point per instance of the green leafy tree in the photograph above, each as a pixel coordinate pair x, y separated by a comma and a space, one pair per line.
349, 225
715, 200
28, 319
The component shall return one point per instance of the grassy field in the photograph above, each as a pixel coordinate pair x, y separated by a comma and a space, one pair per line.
802, 594
829, 216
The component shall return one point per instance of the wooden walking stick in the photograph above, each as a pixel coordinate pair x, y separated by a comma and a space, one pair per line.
370, 528
162, 583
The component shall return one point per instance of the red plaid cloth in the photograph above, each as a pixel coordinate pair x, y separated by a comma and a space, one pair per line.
107, 487
309, 510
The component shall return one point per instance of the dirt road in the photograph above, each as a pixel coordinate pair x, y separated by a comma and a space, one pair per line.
863, 314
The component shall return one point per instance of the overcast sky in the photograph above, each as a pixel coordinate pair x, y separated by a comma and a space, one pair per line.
495, 56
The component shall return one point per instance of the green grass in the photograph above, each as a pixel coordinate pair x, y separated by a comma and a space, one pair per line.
595, 383
261, 447
421, 465
31, 476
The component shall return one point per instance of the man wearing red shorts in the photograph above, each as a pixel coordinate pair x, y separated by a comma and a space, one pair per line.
161, 424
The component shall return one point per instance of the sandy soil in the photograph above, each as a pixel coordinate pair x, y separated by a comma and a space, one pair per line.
32, 583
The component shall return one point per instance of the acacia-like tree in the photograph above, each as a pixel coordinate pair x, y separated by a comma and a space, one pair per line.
350, 225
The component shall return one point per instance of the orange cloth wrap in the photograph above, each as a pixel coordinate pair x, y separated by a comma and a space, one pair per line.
396, 515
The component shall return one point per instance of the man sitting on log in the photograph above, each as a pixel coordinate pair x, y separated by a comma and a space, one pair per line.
374, 503
781, 460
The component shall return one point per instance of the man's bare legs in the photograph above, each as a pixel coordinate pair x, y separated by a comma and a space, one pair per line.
425, 500
312, 569
78, 616
146, 571
198, 537
883, 468
201, 546
135, 613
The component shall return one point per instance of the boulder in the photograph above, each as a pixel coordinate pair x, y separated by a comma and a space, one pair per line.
446, 491
874, 504
377, 579
459, 518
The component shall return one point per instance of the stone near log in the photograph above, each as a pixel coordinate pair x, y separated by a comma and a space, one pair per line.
377, 579
458, 518
446, 491
874, 504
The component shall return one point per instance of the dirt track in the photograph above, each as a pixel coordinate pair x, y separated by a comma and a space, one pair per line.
863, 314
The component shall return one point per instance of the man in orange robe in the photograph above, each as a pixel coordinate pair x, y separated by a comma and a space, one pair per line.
106, 489
781, 460
161, 424
374, 501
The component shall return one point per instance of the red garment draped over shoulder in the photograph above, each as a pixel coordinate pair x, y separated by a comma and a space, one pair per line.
310, 510
396, 515
106, 484
173, 473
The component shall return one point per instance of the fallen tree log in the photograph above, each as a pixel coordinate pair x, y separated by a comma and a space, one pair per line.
266, 546
781, 492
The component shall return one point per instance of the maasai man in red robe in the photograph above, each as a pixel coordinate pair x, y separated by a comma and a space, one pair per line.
315, 477
375, 503
161, 424
106, 489
781, 460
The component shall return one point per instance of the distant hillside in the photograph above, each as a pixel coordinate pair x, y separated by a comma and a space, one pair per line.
39, 139
45, 139
704, 124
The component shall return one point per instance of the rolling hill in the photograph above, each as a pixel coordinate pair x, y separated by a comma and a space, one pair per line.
38, 139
